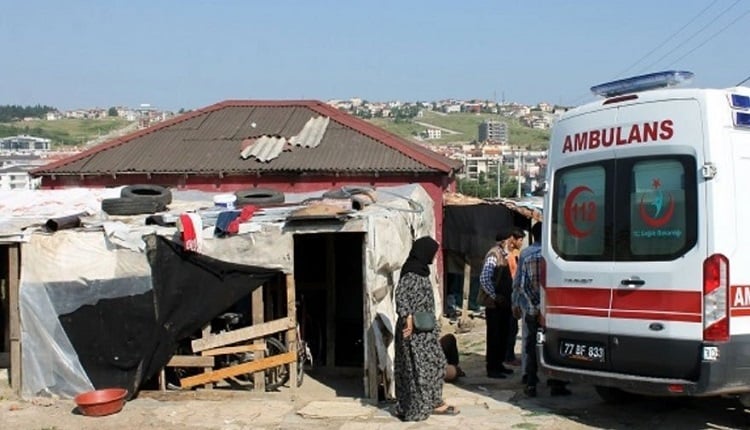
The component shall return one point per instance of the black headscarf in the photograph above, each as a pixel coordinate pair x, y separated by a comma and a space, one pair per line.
422, 252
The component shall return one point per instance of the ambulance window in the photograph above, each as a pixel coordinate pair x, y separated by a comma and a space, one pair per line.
579, 214
661, 216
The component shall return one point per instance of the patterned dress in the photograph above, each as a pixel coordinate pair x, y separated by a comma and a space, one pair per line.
420, 362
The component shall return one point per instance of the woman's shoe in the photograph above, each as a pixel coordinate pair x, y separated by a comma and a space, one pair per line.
447, 410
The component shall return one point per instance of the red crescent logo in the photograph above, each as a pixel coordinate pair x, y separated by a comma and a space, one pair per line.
662, 220
567, 208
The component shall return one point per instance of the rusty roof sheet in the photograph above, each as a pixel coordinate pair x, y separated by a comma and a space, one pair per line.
529, 207
211, 140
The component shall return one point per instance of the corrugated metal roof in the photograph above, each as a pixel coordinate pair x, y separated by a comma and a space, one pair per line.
312, 133
210, 140
264, 148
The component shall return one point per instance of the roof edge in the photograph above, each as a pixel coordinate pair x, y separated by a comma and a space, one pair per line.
385, 137
42, 170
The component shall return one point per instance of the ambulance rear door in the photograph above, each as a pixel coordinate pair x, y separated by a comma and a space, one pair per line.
656, 315
624, 236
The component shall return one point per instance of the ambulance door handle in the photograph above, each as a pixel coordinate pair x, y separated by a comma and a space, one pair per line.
632, 282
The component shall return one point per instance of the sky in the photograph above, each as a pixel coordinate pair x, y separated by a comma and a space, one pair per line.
189, 54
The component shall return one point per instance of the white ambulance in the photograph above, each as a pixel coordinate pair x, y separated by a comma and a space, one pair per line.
647, 241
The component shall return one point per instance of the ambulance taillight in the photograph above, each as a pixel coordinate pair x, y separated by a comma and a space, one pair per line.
715, 299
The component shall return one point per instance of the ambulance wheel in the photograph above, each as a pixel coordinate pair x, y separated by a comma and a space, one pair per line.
614, 395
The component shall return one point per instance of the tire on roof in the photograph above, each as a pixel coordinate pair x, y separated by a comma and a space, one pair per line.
148, 191
258, 197
132, 206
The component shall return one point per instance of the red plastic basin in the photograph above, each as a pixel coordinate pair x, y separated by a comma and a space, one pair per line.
99, 403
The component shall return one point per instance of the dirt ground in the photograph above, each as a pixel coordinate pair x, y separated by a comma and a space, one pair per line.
332, 399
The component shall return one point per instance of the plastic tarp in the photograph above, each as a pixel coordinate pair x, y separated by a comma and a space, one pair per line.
71, 269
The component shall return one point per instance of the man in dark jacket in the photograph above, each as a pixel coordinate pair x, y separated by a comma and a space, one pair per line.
495, 294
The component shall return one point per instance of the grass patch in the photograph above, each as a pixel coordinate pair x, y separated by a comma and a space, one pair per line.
467, 127
64, 132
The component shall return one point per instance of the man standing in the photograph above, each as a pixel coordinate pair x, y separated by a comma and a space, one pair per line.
494, 293
529, 281
513, 245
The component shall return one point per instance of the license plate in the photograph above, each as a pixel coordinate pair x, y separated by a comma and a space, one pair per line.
583, 351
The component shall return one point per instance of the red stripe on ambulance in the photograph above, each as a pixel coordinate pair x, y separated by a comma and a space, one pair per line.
663, 305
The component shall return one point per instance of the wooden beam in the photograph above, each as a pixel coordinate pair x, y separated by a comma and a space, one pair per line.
464, 322
259, 379
206, 332
190, 361
466, 288
370, 353
5, 302
14, 268
291, 333
239, 369
237, 349
245, 333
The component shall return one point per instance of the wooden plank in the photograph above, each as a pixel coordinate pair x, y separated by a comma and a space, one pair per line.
190, 361
464, 322
4, 360
466, 289
162, 380
291, 334
5, 302
247, 367
259, 379
14, 268
241, 334
371, 380
237, 349
206, 332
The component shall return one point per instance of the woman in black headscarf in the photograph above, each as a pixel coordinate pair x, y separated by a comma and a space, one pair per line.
420, 362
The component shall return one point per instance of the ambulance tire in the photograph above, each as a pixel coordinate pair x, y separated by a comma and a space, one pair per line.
615, 396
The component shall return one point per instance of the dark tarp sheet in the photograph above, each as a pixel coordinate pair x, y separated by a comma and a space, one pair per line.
470, 230
125, 341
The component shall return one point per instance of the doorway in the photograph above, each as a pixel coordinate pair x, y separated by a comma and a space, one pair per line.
329, 279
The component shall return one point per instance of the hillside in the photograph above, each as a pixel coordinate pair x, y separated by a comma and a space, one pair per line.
463, 128
64, 132
457, 128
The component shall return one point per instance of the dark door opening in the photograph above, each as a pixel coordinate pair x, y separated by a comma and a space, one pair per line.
5, 305
328, 274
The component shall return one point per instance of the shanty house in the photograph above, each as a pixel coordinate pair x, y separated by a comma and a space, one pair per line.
290, 147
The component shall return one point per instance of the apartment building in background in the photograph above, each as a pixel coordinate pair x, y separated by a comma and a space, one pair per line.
24, 144
493, 131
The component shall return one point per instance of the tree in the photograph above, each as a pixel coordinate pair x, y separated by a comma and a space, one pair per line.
509, 188
112, 111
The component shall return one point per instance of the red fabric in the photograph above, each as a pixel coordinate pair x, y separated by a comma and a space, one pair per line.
246, 214
189, 239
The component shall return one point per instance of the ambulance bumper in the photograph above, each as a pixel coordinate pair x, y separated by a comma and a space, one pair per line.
712, 380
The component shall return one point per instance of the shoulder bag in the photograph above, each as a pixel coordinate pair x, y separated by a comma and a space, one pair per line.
423, 321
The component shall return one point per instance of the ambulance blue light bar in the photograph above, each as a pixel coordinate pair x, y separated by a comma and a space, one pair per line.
742, 119
635, 84
740, 102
